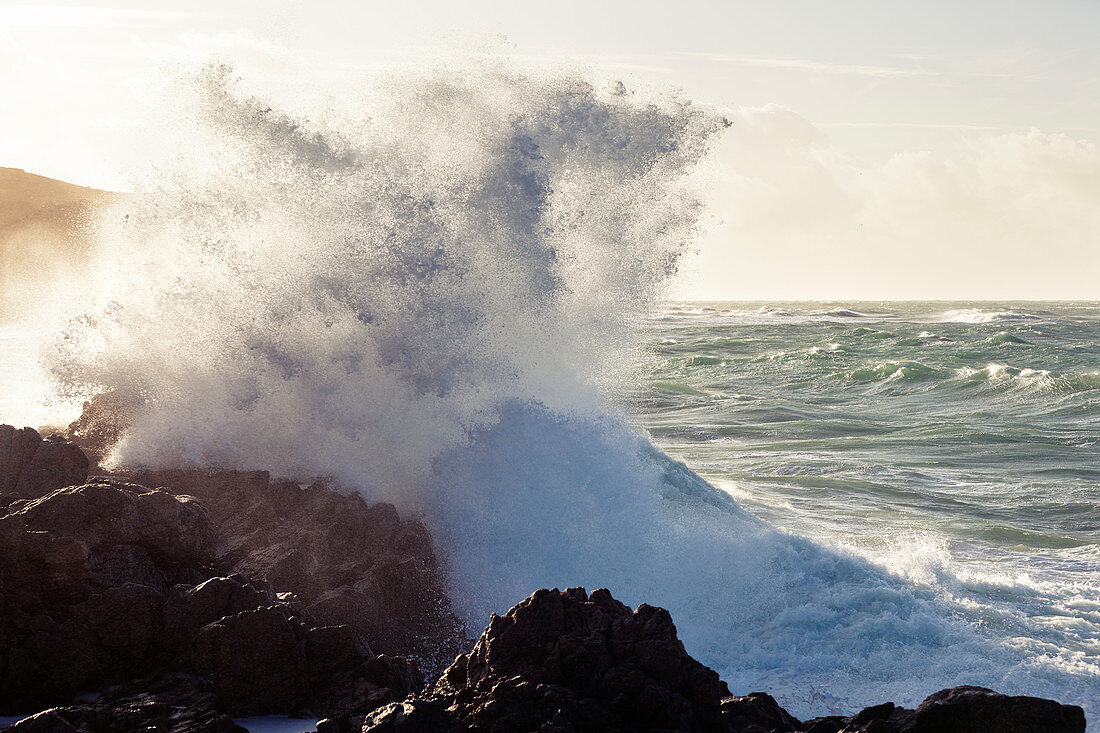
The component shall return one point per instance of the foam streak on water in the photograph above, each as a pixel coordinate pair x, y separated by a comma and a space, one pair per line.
952, 445
430, 304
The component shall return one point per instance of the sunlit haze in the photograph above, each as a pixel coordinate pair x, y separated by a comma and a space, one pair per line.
879, 150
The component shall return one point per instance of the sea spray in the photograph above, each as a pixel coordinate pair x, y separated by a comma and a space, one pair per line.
353, 302
430, 304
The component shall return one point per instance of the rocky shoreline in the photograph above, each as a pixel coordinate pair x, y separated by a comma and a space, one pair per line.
177, 600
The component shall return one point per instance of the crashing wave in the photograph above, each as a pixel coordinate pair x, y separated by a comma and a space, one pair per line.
429, 304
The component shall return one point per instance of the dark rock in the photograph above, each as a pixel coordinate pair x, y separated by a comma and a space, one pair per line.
333, 647
561, 660
757, 709
110, 581
264, 657
126, 622
978, 710
965, 710
827, 724
413, 715
47, 721
106, 513
348, 562
31, 466
83, 583
17, 448
355, 692
214, 599
175, 703
56, 463
102, 422
254, 661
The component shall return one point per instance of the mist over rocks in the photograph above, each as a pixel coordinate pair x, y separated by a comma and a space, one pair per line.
103, 420
347, 561
351, 297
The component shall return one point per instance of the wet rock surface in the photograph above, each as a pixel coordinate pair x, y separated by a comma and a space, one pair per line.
112, 581
962, 710
567, 661
347, 562
31, 466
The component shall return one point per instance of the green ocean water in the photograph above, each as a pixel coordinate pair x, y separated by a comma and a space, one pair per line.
957, 445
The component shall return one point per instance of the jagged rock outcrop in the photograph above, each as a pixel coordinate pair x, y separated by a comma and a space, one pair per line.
270, 658
109, 582
102, 422
564, 660
83, 584
347, 562
961, 710
567, 661
31, 466
757, 711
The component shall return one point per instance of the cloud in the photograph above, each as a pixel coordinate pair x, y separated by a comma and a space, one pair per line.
805, 65
1001, 215
69, 16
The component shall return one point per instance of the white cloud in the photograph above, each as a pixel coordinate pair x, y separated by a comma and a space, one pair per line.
1013, 215
70, 16
807, 65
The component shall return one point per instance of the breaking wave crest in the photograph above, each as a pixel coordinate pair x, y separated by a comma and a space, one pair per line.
354, 300
978, 315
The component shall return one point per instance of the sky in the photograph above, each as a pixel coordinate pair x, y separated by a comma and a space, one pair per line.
880, 150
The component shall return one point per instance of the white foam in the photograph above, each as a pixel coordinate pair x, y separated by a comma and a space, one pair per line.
977, 315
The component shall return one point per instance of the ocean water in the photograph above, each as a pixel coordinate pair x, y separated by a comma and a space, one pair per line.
954, 445
939, 438
454, 302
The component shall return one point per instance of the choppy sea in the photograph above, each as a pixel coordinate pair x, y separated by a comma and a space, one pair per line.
957, 445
